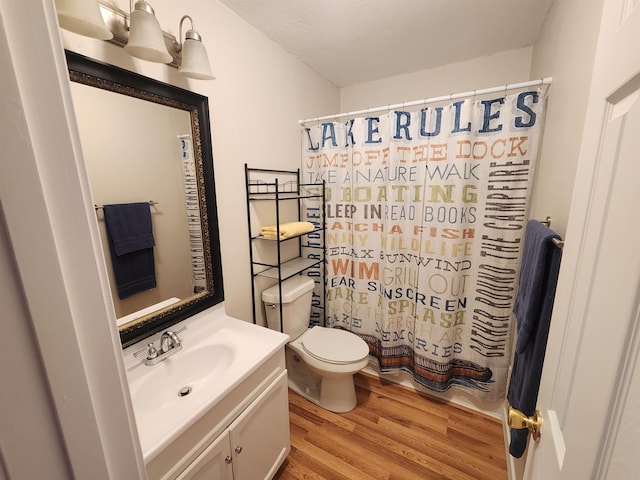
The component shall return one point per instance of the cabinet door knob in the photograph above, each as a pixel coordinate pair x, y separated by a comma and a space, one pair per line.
227, 459
238, 448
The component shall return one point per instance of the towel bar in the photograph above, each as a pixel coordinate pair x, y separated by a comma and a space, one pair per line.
557, 242
151, 202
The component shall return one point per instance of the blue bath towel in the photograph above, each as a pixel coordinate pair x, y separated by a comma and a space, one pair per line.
533, 306
130, 236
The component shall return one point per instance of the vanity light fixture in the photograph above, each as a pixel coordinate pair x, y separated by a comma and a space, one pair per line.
146, 40
82, 17
139, 33
195, 61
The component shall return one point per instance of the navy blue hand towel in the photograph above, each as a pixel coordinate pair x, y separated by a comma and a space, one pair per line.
130, 236
533, 306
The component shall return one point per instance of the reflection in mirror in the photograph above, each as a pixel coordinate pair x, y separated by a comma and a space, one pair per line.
148, 142
139, 161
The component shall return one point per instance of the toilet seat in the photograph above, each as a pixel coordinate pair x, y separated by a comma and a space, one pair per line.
332, 345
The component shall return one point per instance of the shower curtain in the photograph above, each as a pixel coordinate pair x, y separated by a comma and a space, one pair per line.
198, 275
425, 215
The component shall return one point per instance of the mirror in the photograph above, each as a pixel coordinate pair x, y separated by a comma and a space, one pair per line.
147, 141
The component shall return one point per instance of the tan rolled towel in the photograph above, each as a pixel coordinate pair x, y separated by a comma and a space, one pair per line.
287, 230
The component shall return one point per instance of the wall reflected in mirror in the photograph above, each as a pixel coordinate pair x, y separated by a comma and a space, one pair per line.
132, 154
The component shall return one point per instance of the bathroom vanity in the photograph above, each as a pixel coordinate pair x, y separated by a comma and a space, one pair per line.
218, 409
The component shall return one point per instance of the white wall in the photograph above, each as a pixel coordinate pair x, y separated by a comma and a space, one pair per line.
30, 445
565, 51
259, 94
489, 71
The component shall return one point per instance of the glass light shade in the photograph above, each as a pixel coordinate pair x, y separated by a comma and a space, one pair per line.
146, 40
195, 61
82, 17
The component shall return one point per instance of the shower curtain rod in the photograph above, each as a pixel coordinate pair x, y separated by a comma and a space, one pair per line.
503, 88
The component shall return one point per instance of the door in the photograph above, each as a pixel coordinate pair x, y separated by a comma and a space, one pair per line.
212, 464
260, 435
590, 390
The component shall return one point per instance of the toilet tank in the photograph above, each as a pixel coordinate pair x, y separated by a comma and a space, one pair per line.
296, 305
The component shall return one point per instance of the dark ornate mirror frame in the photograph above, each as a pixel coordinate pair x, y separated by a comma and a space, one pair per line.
108, 77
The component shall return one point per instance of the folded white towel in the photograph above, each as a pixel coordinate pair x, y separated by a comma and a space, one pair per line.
286, 230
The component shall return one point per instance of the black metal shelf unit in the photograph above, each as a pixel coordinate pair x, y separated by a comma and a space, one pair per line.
276, 187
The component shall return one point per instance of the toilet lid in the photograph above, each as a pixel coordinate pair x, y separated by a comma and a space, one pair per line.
333, 345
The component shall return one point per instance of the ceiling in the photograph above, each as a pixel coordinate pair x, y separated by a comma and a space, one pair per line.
356, 41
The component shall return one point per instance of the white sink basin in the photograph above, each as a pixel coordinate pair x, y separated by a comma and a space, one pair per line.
218, 353
186, 374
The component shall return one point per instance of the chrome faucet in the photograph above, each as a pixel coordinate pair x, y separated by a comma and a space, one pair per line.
170, 343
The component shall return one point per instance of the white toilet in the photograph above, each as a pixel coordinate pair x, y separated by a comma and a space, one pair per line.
320, 361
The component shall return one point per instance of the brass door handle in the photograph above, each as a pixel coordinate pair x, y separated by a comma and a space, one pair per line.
519, 420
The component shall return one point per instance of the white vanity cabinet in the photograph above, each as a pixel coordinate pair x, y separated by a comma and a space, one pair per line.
254, 445
244, 437
260, 435
213, 464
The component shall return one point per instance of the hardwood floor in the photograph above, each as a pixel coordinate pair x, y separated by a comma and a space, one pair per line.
393, 434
